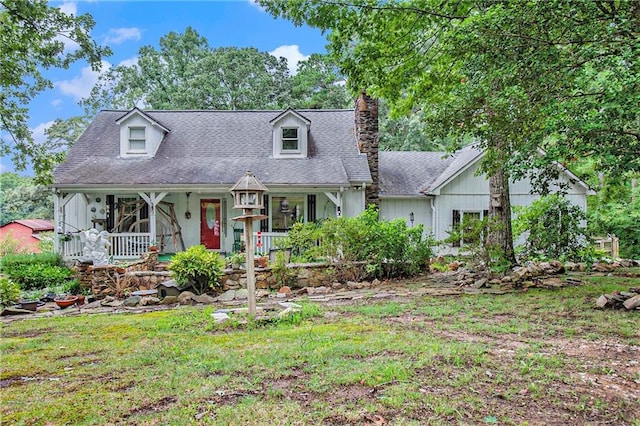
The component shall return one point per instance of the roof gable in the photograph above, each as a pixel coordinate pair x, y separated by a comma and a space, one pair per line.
139, 112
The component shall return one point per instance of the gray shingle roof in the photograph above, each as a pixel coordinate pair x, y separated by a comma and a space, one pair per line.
415, 173
216, 148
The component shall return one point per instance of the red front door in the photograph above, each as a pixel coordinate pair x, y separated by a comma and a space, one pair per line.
210, 223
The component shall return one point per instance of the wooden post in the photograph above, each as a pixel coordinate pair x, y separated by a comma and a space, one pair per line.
251, 275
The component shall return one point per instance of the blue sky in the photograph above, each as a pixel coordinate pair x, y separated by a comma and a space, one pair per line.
125, 26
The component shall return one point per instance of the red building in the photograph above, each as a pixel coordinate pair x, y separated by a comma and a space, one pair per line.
26, 232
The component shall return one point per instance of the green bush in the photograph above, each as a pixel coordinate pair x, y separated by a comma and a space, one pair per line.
196, 266
389, 248
554, 229
303, 240
9, 291
35, 271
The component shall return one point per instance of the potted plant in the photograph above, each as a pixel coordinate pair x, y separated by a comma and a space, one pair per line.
236, 260
153, 246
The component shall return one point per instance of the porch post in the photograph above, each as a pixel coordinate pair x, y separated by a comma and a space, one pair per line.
336, 200
60, 200
152, 199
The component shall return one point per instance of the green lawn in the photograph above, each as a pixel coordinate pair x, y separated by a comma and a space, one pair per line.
535, 357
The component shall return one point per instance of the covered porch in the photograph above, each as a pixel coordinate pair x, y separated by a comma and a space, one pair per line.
176, 219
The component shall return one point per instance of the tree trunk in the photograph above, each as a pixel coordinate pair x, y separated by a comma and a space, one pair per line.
500, 236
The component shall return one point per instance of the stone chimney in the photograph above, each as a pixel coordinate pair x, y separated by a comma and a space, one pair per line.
366, 111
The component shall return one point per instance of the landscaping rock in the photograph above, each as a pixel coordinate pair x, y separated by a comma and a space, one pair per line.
632, 302
149, 301
285, 290
482, 282
132, 301
242, 294
227, 296
169, 300
15, 311
602, 301
204, 298
220, 317
186, 298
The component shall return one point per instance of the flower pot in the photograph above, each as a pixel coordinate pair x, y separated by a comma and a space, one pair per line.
153, 248
65, 301
80, 300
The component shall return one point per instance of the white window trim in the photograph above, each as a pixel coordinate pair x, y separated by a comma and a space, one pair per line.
131, 150
283, 139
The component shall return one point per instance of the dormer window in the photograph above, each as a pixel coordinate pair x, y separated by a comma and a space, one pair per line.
137, 139
290, 135
290, 141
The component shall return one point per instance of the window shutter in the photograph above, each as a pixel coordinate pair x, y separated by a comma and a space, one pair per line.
455, 225
264, 223
311, 208
112, 213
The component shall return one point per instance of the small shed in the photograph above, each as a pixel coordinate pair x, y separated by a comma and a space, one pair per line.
26, 232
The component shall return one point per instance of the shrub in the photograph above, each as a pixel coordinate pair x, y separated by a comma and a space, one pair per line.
390, 248
9, 291
35, 271
9, 245
196, 266
303, 240
554, 228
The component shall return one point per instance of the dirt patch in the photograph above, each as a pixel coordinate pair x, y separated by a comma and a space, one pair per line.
27, 333
159, 405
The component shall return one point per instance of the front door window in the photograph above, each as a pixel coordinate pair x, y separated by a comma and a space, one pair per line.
210, 223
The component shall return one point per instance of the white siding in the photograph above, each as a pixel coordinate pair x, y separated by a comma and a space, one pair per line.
468, 192
394, 208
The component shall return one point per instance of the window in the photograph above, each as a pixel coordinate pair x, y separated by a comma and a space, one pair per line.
290, 140
137, 139
469, 221
285, 211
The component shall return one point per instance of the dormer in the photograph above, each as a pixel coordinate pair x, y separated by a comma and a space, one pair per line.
140, 135
290, 135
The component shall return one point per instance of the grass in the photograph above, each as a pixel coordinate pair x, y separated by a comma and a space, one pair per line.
538, 356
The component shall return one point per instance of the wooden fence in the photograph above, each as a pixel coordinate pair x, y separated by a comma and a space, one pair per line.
609, 244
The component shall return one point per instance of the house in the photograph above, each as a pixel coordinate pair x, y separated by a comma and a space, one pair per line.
26, 232
164, 177
438, 189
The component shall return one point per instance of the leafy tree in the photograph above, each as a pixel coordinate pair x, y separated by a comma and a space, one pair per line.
407, 132
518, 76
20, 198
33, 35
319, 85
185, 73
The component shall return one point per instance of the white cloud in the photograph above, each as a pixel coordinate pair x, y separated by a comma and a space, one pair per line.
292, 54
69, 7
120, 35
56, 103
80, 87
38, 132
129, 62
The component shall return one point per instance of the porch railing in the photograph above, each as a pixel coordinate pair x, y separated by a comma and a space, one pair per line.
268, 241
129, 245
123, 246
